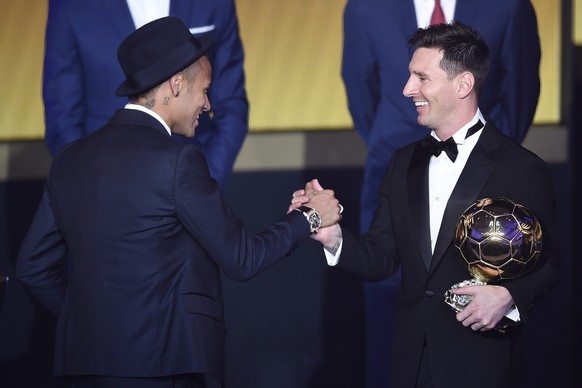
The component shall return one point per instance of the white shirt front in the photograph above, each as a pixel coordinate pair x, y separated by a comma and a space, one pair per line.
424, 10
144, 11
443, 174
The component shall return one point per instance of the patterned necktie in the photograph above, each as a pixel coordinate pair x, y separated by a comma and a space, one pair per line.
438, 16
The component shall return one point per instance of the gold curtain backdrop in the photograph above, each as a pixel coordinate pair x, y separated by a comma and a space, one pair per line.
577, 17
293, 51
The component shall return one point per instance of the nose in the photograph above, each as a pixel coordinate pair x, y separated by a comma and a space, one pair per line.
207, 107
409, 89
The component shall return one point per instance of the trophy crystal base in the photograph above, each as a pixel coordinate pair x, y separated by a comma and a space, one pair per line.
459, 302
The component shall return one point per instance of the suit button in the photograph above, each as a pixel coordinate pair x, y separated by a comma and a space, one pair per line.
429, 292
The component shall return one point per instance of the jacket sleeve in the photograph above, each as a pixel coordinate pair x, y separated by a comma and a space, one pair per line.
228, 97
534, 190
62, 88
520, 86
40, 262
359, 71
374, 255
215, 227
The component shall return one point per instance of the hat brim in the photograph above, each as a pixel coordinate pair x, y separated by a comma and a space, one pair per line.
153, 75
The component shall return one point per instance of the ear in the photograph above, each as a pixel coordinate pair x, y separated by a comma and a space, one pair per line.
176, 83
466, 84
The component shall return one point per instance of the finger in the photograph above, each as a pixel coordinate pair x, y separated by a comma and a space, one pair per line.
298, 193
316, 185
294, 205
329, 192
463, 315
467, 290
300, 200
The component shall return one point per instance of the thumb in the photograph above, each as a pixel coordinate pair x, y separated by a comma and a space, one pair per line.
466, 290
316, 185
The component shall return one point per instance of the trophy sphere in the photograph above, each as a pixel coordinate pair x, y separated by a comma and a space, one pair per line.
498, 239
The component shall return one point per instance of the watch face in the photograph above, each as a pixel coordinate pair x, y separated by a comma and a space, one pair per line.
314, 221
312, 217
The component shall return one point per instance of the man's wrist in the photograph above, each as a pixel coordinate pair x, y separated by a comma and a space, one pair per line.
332, 248
312, 217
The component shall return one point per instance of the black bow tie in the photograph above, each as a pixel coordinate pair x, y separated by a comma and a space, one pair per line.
435, 147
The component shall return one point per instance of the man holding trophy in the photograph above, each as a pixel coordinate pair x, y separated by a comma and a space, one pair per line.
427, 187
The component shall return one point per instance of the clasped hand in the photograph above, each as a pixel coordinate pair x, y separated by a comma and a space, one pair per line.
329, 208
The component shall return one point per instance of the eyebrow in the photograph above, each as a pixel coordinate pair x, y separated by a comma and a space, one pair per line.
420, 74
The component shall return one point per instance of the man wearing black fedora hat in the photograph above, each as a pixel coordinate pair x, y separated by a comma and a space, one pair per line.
131, 234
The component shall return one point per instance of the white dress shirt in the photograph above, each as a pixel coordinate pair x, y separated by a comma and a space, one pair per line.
144, 11
443, 174
424, 10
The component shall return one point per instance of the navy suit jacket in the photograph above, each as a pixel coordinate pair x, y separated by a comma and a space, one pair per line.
127, 247
399, 237
81, 73
375, 70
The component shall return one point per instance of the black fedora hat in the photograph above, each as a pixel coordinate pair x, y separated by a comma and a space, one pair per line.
156, 51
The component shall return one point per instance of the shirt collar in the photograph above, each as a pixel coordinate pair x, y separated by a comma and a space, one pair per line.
461, 134
151, 113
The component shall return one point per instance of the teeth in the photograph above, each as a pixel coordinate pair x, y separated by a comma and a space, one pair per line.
420, 103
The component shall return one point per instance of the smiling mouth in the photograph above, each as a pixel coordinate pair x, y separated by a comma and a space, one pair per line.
419, 104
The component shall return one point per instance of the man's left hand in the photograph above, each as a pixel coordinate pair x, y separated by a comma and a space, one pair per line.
489, 305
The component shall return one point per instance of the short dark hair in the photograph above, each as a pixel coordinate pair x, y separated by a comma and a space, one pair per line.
463, 49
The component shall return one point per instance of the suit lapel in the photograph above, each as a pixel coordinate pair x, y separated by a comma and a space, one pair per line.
466, 11
418, 201
119, 16
474, 176
181, 9
406, 16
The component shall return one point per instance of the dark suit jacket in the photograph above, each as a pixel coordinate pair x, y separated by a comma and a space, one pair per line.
127, 247
375, 69
400, 237
81, 73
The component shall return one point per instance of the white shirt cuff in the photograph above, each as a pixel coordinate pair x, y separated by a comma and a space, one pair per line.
513, 314
332, 259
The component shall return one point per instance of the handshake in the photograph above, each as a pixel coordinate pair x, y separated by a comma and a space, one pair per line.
328, 209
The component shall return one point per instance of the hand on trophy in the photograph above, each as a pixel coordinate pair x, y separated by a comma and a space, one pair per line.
488, 306
498, 240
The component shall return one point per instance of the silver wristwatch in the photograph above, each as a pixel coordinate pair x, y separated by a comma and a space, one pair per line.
312, 216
